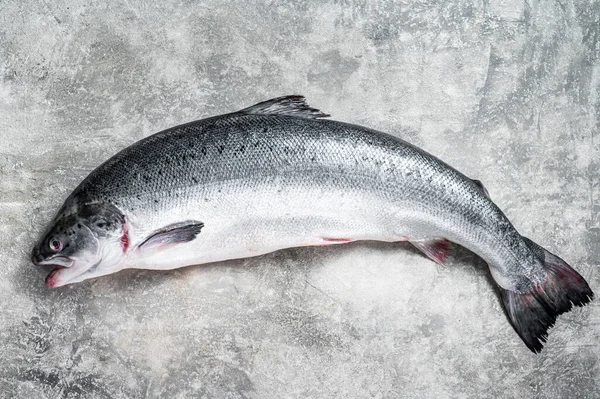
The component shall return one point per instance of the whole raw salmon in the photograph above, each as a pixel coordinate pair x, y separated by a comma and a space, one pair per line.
276, 175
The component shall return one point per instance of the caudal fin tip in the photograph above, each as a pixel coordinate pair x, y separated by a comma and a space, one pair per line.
585, 298
535, 341
533, 313
537, 345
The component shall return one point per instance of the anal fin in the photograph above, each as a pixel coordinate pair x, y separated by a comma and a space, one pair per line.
436, 249
175, 233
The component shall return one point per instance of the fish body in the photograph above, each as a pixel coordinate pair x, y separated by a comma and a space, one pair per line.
277, 175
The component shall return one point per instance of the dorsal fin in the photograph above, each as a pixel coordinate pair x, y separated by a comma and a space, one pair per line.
479, 184
287, 105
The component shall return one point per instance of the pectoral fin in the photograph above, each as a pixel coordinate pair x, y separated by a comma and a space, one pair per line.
172, 234
436, 249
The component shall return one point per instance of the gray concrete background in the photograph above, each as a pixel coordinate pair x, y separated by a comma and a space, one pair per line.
506, 91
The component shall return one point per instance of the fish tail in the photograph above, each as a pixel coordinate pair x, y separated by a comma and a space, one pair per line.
533, 313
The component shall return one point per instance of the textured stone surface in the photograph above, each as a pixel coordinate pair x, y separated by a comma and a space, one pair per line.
506, 91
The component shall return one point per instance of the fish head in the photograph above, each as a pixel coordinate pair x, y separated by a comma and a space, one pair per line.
86, 242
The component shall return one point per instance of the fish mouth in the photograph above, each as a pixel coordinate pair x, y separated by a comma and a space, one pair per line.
59, 263
65, 269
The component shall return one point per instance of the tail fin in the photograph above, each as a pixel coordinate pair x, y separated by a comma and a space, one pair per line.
532, 314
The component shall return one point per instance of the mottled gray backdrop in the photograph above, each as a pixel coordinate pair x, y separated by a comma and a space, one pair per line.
507, 91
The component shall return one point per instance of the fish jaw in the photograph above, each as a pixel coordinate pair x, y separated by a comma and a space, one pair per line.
64, 269
59, 262
60, 275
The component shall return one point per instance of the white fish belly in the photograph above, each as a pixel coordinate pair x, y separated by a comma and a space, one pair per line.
243, 222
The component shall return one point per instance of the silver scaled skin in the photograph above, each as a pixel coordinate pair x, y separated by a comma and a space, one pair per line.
272, 176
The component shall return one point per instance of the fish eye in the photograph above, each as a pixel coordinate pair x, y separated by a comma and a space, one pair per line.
55, 244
